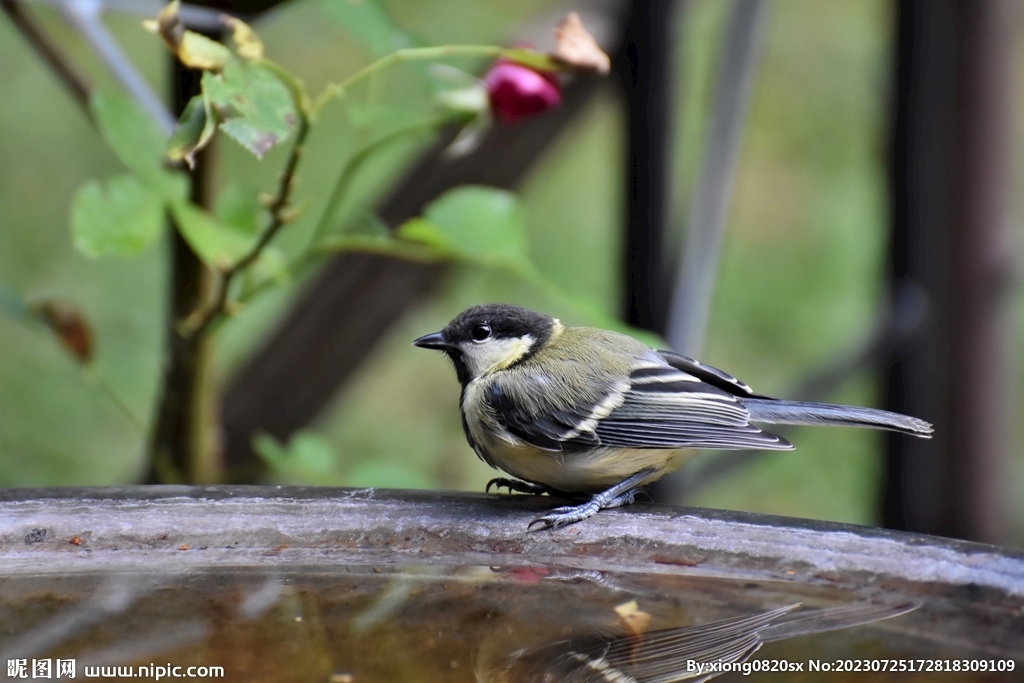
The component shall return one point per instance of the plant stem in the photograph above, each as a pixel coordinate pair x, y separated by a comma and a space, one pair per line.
405, 55
179, 451
197, 325
353, 165
419, 53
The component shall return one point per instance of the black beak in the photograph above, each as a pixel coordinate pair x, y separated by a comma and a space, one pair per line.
432, 341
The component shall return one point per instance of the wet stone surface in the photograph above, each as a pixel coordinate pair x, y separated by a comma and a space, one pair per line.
289, 584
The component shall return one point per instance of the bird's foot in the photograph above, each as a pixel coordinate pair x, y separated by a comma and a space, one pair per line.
623, 493
570, 514
518, 486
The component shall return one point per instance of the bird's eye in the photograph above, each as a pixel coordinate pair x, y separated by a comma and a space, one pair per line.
481, 333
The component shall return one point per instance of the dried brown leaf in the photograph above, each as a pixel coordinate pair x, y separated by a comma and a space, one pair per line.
636, 619
69, 326
575, 47
247, 43
167, 25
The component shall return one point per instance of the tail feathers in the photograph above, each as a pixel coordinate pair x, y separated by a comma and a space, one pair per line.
776, 411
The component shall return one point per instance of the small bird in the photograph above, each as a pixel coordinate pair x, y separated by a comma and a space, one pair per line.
668, 655
572, 411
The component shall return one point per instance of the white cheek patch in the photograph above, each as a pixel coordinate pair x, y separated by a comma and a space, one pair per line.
494, 354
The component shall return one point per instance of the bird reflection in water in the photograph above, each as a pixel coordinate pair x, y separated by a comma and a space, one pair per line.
698, 652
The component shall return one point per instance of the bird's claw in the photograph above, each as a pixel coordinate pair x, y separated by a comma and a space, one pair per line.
514, 485
570, 514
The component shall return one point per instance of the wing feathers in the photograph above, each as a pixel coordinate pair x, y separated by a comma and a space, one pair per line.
706, 373
660, 407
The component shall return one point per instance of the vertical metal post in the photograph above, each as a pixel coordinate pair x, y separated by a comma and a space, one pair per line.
950, 168
712, 193
645, 68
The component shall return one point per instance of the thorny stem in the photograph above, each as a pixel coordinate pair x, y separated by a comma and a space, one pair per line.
198, 323
405, 55
353, 165
338, 194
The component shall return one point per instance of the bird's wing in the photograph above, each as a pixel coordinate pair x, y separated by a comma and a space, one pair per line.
662, 656
666, 407
529, 412
659, 406
713, 376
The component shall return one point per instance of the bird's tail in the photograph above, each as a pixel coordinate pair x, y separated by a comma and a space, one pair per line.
777, 411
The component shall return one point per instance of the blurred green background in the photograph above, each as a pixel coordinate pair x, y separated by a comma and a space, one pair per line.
801, 275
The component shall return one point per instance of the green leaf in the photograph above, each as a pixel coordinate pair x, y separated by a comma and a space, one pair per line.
194, 131
271, 264
310, 452
218, 245
270, 450
368, 23
257, 109
238, 209
457, 91
307, 454
137, 142
247, 43
477, 224
377, 244
120, 217
196, 51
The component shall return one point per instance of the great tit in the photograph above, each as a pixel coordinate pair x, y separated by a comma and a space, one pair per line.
578, 410
701, 651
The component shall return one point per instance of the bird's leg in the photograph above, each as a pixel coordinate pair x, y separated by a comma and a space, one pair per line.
621, 494
519, 486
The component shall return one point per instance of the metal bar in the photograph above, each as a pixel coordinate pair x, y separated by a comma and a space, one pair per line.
709, 209
193, 16
646, 72
950, 192
85, 17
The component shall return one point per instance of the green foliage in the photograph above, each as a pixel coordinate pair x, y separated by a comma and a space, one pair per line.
117, 217
307, 455
196, 127
479, 225
260, 105
383, 474
137, 142
484, 226
216, 244
255, 108
238, 209
123, 215
460, 93
310, 458
200, 52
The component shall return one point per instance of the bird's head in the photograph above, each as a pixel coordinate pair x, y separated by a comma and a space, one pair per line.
490, 337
